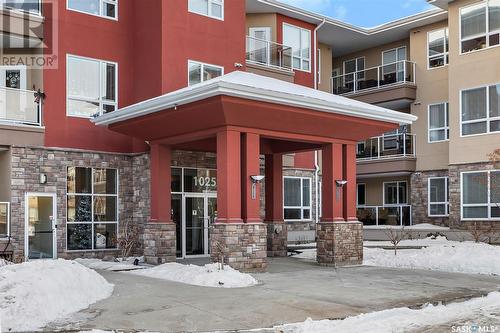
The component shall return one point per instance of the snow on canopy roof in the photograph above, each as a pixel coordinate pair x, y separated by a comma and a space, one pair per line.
259, 88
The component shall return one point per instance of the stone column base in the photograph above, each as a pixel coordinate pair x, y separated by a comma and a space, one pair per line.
159, 243
340, 243
277, 239
244, 245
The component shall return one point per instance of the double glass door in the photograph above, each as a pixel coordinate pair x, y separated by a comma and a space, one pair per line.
194, 214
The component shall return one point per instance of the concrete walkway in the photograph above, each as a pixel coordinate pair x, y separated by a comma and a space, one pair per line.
291, 291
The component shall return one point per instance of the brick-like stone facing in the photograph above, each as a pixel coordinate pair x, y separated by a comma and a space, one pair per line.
277, 235
159, 243
244, 245
27, 163
492, 228
420, 199
340, 243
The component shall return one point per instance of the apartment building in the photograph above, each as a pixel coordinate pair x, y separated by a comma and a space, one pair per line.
125, 97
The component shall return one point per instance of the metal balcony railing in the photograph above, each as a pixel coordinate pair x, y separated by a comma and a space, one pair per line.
267, 53
386, 147
19, 106
389, 215
28, 6
374, 78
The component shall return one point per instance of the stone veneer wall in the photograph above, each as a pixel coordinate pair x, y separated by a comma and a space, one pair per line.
419, 197
340, 243
455, 198
244, 245
27, 163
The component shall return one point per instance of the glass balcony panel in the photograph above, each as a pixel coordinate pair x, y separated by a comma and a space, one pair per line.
268, 53
19, 106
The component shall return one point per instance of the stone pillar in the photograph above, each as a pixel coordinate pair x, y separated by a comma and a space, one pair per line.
159, 232
339, 242
243, 245
276, 227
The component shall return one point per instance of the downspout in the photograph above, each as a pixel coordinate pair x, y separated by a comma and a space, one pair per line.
316, 53
316, 186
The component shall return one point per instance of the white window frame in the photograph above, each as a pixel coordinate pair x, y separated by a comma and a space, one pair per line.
446, 53
446, 127
100, 100
356, 72
487, 119
396, 62
489, 204
397, 193
487, 33
300, 41
357, 194
7, 229
447, 198
37, 14
301, 207
202, 64
101, 9
92, 195
209, 11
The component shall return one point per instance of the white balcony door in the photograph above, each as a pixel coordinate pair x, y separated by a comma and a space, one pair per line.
12, 101
259, 44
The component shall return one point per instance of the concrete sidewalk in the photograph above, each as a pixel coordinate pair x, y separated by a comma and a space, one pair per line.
291, 291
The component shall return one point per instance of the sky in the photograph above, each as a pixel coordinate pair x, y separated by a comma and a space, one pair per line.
364, 13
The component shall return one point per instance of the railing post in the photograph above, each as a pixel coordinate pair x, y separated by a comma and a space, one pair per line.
268, 53
378, 147
378, 77
404, 144
355, 81
404, 71
376, 214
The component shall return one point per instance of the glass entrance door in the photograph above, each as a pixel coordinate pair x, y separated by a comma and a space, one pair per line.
40, 226
199, 213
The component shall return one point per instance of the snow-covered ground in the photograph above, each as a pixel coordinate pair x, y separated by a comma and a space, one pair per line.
436, 254
206, 276
35, 293
126, 264
404, 319
420, 226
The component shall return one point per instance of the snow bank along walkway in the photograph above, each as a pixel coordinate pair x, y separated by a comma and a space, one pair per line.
291, 291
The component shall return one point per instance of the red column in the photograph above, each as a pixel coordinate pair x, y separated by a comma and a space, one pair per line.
161, 159
274, 188
250, 157
229, 177
350, 188
332, 205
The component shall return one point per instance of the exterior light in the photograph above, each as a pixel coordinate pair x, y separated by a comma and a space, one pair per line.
255, 180
340, 184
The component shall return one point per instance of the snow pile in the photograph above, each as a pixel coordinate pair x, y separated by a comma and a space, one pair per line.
402, 319
4, 262
125, 264
36, 293
206, 276
448, 256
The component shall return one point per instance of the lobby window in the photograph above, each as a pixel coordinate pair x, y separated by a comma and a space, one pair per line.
480, 25
361, 194
481, 195
438, 201
210, 8
395, 193
438, 48
299, 40
480, 110
297, 198
439, 128
92, 209
92, 87
199, 72
102, 8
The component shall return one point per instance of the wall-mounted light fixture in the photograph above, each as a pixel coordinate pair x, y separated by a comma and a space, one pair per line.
255, 180
340, 184
43, 178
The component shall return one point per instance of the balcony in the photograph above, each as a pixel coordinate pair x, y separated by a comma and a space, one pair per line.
392, 84
393, 215
269, 58
33, 7
387, 154
21, 24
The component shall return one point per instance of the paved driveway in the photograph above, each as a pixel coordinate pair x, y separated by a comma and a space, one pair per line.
291, 291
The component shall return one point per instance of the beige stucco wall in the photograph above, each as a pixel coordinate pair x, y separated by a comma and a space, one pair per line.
326, 68
373, 56
432, 88
375, 188
467, 71
262, 20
